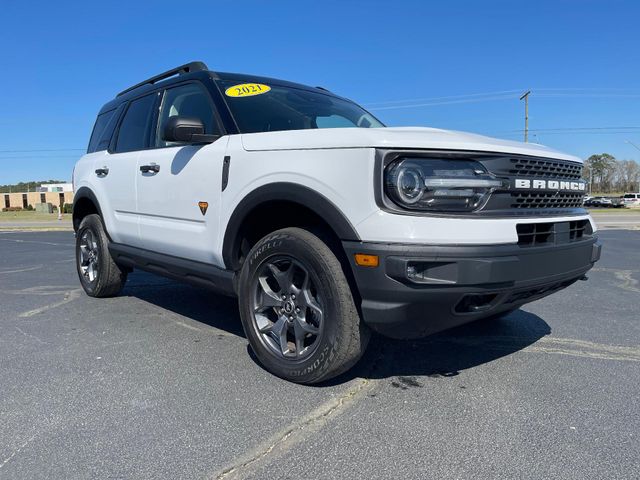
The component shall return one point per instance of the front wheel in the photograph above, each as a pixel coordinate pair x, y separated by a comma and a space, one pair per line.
99, 275
297, 308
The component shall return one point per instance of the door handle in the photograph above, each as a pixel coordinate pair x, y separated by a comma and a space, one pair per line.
102, 172
153, 168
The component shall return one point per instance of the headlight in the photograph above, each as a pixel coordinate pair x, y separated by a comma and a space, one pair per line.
434, 184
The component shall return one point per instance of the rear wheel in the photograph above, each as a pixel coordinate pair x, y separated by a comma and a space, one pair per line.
99, 275
297, 309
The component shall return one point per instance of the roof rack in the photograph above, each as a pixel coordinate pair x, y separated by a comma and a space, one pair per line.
181, 70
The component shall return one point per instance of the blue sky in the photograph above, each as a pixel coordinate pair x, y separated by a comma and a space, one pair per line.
63, 60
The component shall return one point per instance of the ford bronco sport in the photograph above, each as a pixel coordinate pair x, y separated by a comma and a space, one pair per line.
324, 223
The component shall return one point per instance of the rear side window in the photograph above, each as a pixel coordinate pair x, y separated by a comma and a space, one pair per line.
134, 129
99, 130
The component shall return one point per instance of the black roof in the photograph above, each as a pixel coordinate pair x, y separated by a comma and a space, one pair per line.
198, 70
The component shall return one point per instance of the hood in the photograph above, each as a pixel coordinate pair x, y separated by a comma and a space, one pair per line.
394, 137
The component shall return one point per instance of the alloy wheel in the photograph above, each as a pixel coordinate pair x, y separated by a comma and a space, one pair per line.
88, 256
288, 315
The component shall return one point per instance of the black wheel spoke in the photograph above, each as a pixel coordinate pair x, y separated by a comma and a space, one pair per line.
305, 327
284, 278
300, 334
268, 298
279, 333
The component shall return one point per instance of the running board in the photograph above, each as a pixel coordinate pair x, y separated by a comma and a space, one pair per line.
196, 273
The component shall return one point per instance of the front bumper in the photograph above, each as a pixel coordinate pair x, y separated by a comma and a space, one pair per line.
460, 284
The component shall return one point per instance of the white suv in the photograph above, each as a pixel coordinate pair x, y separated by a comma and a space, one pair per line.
324, 223
631, 199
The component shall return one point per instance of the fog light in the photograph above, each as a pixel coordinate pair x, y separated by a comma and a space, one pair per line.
432, 272
413, 273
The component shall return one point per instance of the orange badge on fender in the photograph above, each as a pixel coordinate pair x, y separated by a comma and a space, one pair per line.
203, 207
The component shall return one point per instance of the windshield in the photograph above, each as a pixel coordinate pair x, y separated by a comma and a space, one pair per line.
268, 108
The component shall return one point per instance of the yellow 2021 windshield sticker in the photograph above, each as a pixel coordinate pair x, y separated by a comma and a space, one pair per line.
247, 90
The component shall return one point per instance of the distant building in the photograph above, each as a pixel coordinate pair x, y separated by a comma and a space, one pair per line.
56, 194
56, 187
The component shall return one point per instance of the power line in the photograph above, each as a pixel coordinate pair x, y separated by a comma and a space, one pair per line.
40, 157
501, 95
44, 150
449, 97
550, 91
589, 95
470, 100
585, 89
576, 128
625, 132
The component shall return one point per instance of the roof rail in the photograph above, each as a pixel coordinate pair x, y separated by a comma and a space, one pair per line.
181, 70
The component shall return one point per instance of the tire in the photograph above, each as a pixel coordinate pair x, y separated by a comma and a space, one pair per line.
99, 275
297, 309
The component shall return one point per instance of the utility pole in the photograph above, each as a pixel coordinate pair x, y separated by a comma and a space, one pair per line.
525, 97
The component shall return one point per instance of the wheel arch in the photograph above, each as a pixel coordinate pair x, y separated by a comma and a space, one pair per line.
84, 203
281, 193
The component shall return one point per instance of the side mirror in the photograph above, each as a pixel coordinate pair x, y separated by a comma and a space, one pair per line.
186, 130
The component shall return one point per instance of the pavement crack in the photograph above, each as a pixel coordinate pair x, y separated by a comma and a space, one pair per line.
628, 282
37, 339
585, 349
68, 297
19, 270
17, 450
296, 432
548, 345
625, 276
37, 243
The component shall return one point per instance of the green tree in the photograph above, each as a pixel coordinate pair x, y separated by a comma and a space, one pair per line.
600, 169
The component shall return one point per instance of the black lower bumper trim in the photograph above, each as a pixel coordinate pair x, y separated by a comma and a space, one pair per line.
418, 290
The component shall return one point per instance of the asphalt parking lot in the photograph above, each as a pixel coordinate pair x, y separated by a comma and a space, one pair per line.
158, 383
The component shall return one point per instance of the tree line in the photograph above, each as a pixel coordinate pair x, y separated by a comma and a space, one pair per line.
22, 187
606, 174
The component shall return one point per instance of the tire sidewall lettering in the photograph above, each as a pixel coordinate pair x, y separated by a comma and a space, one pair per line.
269, 245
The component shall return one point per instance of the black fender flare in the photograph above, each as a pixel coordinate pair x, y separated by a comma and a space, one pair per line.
82, 193
290, 192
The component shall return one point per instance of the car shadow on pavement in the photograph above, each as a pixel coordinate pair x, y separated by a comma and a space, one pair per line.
198, 304
442, 355
446, 354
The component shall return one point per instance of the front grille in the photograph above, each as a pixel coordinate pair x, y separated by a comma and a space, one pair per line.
532, 234
552, 233
546, 200
545, 168
532, 201
579, 229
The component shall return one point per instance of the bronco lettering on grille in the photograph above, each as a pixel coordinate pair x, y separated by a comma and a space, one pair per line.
557, 185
